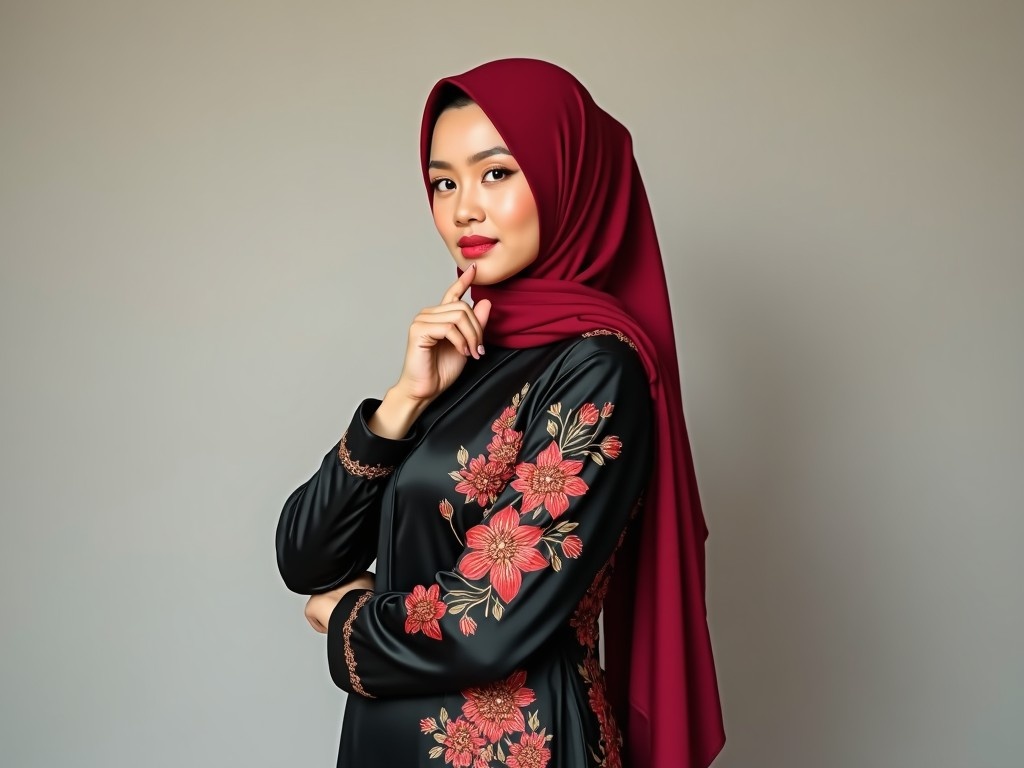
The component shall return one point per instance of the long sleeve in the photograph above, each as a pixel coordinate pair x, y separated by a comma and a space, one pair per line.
327, 532
572, 474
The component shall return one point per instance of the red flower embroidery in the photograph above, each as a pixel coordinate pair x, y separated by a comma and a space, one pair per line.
495, 708
504, 449
588, 414
505, 550
606, 411
505, 421
584, 619
530, 752
446, 509
428, 725
462, 741
484, 480
550, 481
572, 546
611, 738
611, 447
424, 609
467, 624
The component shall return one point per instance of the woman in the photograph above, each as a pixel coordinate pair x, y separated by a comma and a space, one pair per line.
496, 480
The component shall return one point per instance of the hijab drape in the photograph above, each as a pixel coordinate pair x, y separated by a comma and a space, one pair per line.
600, 268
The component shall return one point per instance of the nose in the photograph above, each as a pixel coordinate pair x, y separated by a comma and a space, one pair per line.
468, 208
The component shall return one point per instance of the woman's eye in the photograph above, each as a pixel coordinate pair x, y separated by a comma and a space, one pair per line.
502, 173
439, 185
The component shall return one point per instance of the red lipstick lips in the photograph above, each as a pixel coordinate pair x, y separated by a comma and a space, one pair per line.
474, 246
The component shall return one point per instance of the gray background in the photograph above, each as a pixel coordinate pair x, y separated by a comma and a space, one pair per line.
214, 236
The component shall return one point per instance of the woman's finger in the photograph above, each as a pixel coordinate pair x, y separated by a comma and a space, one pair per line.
465, 315
438, 330
458, 289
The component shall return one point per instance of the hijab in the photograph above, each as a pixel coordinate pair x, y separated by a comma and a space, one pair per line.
600, 268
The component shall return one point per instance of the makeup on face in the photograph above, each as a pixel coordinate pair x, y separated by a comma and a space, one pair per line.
482, 205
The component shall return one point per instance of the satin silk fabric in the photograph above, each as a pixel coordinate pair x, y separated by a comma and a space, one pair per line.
600, 267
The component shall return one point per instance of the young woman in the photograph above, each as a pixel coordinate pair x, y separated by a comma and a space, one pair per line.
496, 481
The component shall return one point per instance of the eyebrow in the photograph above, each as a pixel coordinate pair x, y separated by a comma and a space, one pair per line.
499, 150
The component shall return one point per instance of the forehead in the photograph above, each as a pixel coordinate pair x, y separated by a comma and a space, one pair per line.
461, 131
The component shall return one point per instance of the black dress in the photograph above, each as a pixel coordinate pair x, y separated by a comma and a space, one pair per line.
494, 524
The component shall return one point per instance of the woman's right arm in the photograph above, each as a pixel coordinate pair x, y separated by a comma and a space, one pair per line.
327, 533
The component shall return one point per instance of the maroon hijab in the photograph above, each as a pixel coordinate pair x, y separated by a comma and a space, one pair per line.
600, 268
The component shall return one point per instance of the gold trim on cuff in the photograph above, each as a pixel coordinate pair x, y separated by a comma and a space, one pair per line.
350, 657
356, 467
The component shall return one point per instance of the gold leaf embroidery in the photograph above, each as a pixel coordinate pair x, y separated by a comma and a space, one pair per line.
617, 334
350, 657
355, 467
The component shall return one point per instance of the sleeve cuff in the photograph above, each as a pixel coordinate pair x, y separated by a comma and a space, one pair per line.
366, 454
341, 659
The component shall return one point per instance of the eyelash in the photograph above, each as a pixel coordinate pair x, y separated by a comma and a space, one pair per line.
508, 172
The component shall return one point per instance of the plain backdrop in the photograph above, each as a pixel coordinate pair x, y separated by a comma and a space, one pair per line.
214, 236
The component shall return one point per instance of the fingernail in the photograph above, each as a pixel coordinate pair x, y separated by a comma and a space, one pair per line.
480, 349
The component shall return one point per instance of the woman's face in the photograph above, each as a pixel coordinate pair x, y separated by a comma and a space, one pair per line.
480, 192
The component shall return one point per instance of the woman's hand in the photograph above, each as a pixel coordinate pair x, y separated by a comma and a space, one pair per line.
320, 607
440, 340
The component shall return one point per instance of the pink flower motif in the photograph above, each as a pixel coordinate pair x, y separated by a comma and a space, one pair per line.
572, 546
530, 752
611, 447
550, 481
588, 414
606, 411
467, 625
504, 549
424, 609
505, 421
504, 448
462, 742
446, 509
428, 725
484, 480
495, 708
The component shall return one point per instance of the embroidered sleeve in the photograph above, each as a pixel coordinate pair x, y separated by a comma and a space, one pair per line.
327, 532
344, 669
567, 460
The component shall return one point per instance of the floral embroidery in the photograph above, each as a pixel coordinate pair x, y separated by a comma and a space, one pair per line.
484, 478
423, 609
355, 467
350, 657
504, 550
608, 752
491, 714
584, 618
495, 708
551, 481
530, 752
617, 334
462, 742
584, 621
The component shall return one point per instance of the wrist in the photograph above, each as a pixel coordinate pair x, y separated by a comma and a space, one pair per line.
396, 414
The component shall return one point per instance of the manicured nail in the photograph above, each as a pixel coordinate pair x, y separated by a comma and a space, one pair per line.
480, 349
465, 351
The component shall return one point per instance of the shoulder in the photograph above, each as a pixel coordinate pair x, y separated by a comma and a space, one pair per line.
602, 361
602, 350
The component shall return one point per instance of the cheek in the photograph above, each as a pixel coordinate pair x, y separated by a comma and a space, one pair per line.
518, 210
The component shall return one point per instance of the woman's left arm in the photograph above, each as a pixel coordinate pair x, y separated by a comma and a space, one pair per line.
584, 456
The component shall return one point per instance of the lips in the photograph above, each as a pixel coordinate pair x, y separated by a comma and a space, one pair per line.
470, 241
475, 246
